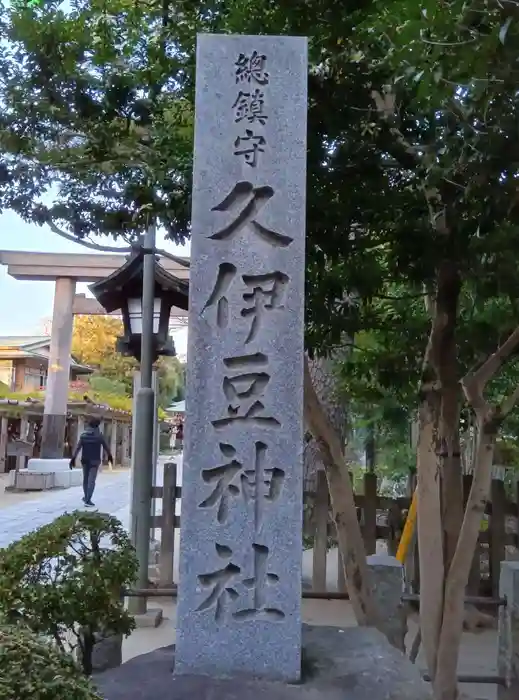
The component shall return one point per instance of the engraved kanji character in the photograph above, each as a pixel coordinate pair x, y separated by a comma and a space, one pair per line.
249, 146
249, 106
218, 297
251, 68
251, 200
261, 580
224, 585
220, 581
267, 293
244, 392
232, 479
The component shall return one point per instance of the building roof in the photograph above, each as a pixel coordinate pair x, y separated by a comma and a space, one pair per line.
15, 341
19, 347
179, 407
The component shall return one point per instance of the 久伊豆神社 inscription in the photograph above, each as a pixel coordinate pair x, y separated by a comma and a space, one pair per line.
239, 603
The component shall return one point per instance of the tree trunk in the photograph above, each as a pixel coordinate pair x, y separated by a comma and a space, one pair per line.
324, 381
351, 544
429, 524
445, 683
323, 373
438, 423
489, 419
451, 471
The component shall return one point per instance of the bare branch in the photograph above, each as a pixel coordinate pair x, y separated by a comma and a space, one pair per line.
474, 383
351, 545
474, 394
113, 249
175, 258
492, 364
508, 404
385, 104
87, 244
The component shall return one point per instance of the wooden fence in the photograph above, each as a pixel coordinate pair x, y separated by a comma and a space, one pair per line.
381, 519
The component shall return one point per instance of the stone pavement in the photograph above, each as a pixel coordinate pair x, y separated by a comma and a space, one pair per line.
112, 495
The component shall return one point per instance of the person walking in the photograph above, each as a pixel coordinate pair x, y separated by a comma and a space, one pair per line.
91, 443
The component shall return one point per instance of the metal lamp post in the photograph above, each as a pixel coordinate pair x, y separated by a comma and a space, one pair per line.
145, 293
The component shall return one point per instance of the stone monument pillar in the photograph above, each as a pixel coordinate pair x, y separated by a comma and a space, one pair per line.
56, 393
239, 603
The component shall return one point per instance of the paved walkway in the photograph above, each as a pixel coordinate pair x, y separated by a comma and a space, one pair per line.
111, 496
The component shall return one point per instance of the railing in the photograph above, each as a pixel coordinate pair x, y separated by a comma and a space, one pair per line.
382, 518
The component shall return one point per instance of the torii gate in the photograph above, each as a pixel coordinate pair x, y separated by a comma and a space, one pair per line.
65, 270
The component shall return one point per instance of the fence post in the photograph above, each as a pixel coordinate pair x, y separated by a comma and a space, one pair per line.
497, 532
387, 585
474, 583
508, 631
370, 512
341, 579
167, 536
320, 551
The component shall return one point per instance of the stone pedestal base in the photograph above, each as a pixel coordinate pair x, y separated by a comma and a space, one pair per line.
48, 465
30, 481
45, 474
151, 618
338, 664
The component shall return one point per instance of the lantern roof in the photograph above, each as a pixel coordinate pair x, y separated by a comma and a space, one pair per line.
125, 283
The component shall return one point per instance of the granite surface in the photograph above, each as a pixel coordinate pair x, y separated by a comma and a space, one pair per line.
387, 583
240, 548
338, 664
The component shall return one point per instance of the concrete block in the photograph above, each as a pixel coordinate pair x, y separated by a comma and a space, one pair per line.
151, 618
48, 465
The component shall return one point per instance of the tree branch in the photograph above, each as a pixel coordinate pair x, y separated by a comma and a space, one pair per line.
418, 295
508, 404
87, 244
113, 249
403, 152
351, 545
175, 258
474, 383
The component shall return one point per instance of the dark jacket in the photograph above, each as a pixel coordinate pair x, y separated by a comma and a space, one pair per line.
91, 443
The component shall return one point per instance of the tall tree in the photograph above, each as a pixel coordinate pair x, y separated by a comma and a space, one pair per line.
93, 343
106, 134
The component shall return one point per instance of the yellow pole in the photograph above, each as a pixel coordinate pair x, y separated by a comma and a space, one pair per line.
407, 534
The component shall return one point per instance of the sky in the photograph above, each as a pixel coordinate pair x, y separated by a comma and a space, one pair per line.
25, 307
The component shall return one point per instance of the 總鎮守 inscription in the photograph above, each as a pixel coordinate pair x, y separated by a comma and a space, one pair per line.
250, 105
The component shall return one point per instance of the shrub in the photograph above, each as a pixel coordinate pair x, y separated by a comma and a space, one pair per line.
31, 669
64, 581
